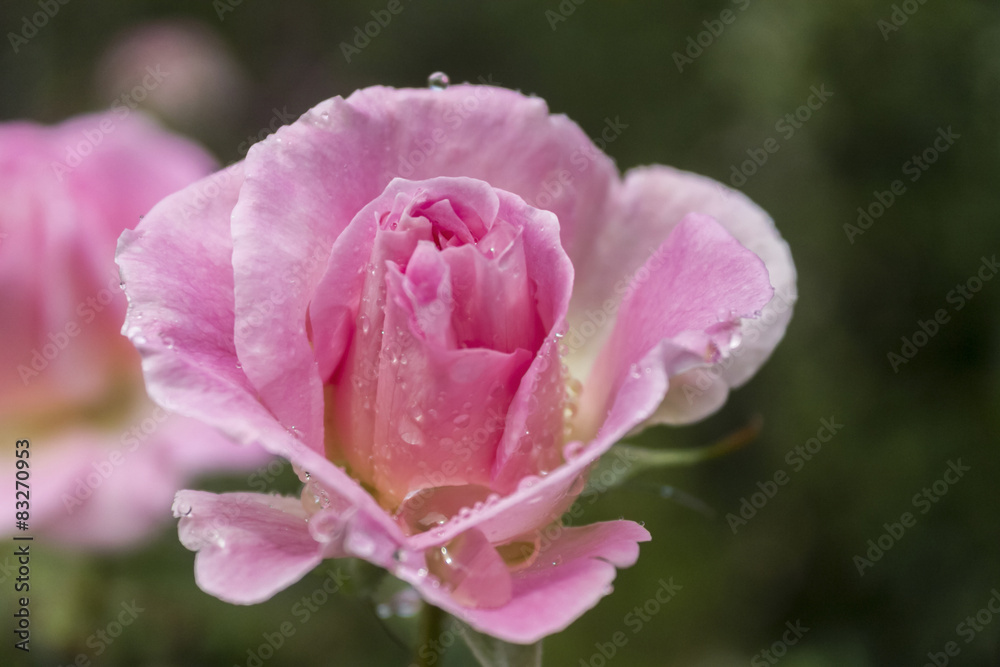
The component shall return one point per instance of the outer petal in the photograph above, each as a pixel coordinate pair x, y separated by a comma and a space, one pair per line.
250, 545
179, 280
692, 292
569, 577
651, 202
305, 184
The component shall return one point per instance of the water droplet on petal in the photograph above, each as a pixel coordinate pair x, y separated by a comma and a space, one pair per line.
473, 571
365, 324
438, 81
432, 507
462, 421
522, 552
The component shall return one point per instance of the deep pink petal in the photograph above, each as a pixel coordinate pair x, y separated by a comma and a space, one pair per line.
534, 427
432, 404
250, 545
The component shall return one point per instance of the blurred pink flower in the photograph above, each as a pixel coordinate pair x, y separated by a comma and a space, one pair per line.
400, 292
104, 461
180, 70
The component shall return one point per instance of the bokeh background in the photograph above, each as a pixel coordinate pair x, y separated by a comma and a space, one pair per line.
240, 68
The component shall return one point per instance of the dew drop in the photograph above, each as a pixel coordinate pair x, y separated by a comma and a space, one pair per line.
461, 421
438, 81
366, 325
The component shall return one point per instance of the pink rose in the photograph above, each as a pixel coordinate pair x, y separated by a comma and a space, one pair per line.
104, 461
401, 293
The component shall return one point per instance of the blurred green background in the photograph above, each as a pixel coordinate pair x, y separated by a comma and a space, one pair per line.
794, 561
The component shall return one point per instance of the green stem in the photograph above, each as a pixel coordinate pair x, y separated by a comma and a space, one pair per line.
675, 457
431, 622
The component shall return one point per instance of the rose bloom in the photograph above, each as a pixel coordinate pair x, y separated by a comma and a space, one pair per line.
103, 462
443, 305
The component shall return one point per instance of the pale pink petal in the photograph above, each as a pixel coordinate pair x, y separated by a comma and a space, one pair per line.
693, 292
250, 545
568, 578
651, 202
180, 282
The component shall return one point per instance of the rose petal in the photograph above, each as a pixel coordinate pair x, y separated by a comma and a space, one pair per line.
305, 183
250, 545
693, 292
568, 578
651, 202
180, 284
